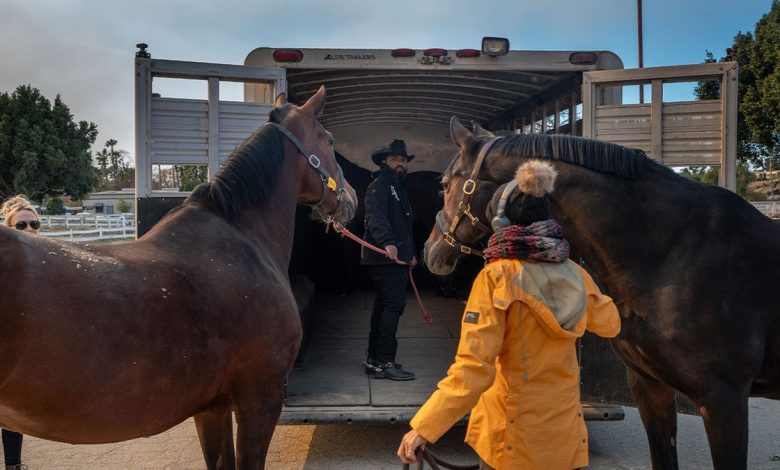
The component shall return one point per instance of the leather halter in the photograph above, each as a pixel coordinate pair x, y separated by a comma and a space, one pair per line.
328, 183
469, 187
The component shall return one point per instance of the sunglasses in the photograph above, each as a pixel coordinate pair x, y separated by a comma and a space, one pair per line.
35, 225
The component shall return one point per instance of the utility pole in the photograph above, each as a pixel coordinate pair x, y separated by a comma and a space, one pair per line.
639, 42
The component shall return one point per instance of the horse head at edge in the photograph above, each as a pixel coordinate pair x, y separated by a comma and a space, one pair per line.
323, 185
462, 223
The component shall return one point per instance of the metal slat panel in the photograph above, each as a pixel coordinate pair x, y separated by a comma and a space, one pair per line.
178, 105
674, 159
623, 110
237, 107
237, 122
179, 132
690, 134
627, 139
687, 107
692, 147
604, 126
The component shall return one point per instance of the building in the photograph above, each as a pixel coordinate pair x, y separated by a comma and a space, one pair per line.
105, 202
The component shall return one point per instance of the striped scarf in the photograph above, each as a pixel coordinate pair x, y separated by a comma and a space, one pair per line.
541, 241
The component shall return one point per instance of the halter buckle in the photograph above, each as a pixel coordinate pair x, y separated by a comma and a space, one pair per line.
469, 186
465, 249
314, 161
449, 239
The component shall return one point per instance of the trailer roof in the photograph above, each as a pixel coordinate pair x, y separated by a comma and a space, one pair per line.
373, 97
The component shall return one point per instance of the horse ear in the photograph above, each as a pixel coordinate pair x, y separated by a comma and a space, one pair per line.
316, 103
459, 134
480, 131
281, 100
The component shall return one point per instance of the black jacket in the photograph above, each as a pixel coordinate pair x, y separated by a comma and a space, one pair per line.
388, 218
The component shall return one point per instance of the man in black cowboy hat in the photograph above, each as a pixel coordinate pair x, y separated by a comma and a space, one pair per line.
388, 226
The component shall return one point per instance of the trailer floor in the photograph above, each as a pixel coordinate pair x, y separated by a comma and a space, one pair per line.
330, 385
331, 373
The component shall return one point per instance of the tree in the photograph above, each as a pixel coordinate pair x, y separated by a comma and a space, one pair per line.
189, 176
123, 206
758, 115
101, 158
758, 55
54, 205
42, 150
113, 168
114, 158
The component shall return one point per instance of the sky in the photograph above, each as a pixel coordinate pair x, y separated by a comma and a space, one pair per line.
83, 49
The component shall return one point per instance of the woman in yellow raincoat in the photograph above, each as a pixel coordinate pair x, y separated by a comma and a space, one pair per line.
516, 367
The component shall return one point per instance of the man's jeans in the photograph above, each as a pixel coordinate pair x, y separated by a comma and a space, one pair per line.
389, 302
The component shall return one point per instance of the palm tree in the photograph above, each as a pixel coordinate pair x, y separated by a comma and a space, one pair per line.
102, 162
114, 156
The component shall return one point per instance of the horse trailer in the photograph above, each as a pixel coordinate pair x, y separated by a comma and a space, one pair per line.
373, 97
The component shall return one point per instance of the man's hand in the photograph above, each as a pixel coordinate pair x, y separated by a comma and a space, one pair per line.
413, 263
392, 252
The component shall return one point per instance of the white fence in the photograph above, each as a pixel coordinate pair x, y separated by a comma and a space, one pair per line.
768, 208
88, 227
91, 235
88, 220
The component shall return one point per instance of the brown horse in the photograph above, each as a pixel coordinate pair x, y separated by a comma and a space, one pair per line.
692, 268
103, 343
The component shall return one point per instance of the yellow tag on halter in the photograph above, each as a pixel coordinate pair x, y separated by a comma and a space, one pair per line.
331, 184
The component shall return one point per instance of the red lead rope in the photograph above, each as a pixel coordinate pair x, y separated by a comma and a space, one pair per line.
342, 230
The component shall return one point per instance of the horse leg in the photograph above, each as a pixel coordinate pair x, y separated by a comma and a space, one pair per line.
725, 415
658, 411
256, 416
215, 431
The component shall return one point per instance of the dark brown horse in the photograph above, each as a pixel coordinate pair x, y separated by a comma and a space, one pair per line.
103, 343
692, 268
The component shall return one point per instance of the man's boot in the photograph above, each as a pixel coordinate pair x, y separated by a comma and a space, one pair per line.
372, 368
394, 371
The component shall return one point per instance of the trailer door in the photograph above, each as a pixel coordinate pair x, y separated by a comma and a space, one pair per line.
195, 132
680, 133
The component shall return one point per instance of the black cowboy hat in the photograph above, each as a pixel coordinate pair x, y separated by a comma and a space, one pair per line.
396, 147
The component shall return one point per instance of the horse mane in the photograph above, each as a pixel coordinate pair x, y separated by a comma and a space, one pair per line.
247, 176
604, 157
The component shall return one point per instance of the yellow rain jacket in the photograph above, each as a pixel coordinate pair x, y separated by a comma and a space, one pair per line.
516, 368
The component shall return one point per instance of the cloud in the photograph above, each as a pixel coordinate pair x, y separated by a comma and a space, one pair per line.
83, 49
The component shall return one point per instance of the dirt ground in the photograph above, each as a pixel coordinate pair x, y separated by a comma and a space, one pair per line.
619, 445
293, 447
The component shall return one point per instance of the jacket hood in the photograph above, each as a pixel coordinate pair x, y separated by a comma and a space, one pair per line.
553, 291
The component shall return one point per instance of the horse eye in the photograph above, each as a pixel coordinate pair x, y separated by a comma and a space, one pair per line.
445, 186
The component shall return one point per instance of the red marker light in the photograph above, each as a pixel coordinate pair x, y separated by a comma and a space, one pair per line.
435, 52
288, 55
583, 58
402, 52
467, 53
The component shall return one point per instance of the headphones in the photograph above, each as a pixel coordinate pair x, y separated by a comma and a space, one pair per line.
501, 220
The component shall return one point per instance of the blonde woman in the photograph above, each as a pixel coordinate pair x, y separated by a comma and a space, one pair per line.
18, 213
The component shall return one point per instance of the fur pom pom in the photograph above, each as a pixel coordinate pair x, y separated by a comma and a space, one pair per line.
536, 177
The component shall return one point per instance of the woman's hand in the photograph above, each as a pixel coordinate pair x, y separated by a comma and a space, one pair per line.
409, 444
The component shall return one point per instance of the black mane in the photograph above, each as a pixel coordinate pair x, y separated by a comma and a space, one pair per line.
604, 157
248, 175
